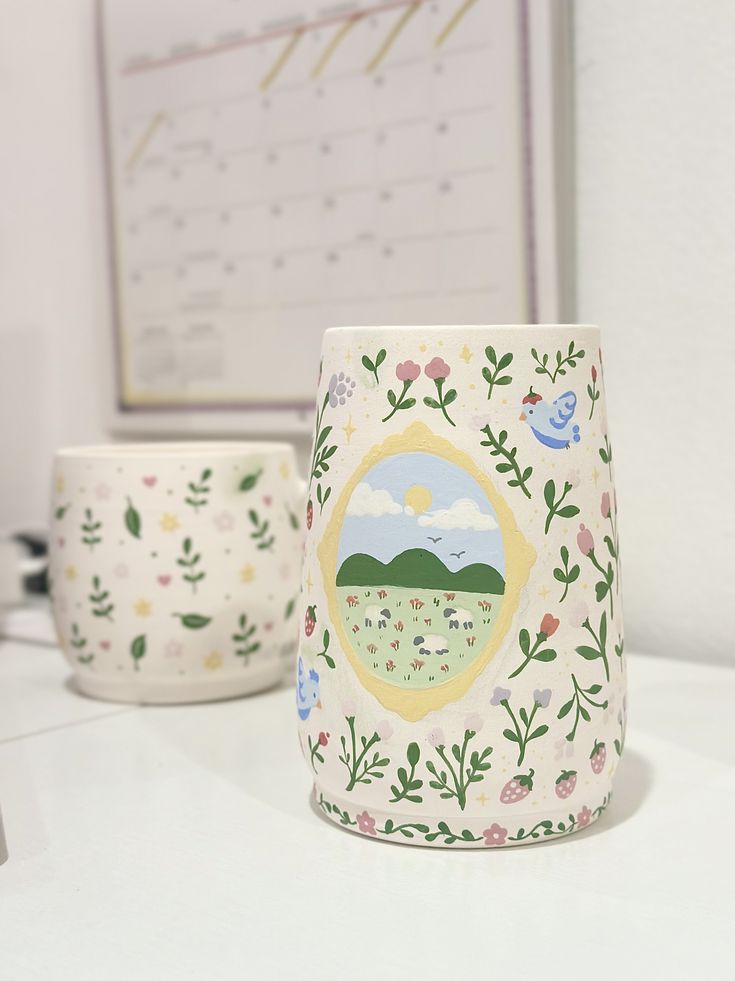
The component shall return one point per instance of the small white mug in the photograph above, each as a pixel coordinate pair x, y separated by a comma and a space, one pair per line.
174, 568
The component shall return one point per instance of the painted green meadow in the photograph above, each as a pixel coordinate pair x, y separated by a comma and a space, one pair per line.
385, 644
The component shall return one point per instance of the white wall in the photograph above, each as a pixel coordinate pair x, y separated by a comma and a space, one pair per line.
656, 226
53, 288
656, 214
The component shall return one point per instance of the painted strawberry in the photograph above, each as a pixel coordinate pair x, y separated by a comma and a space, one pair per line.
598, 757
565, 783
309, 514
516, 789
310, 620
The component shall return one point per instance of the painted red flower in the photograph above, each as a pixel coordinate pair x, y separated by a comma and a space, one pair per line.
407, 371
366, 823
549, 625
532, 398
594, 373
437, 368
323, 738
495, 835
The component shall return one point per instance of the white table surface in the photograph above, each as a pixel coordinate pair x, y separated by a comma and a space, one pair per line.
178, 842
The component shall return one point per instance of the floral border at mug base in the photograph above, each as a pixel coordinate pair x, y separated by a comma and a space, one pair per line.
450, 833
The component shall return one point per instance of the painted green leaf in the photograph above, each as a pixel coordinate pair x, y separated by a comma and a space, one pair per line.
132, 520
193, 621
137, 649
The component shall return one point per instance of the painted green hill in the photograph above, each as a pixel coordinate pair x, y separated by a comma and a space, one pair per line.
421, 569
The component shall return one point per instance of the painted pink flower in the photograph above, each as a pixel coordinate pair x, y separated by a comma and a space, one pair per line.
435, 737
121, 571
579, 614
349, 709
224, 521
473, 722
173, 648
407, 371
585, 540
495, 835
384, 729
583, 818
605, 505
437, 368
102, 492
594, 373
366, 823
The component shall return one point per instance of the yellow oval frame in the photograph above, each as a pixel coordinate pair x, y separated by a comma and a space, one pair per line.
519, 554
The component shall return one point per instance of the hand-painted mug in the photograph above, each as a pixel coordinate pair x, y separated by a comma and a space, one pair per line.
460, 678
175, 568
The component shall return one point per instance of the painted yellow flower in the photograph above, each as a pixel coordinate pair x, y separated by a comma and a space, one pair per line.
247, 573
143, 608
213, 661
169, 522
70, 572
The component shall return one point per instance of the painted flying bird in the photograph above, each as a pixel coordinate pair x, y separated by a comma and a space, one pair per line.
457, 555
307, 690
434, 540
551, 424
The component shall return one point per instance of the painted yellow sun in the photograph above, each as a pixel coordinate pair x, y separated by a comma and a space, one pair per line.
418, 498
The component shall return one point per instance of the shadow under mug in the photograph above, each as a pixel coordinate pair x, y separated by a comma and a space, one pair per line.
174, 568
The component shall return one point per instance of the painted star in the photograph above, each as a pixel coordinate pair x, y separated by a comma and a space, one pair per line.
483, 799
169, 522
595, 475
349, 429
143, 608
213, 661
70, 572
60, 483
284, 471
544, 592
309, 581
247, 573
465, 354
348, 357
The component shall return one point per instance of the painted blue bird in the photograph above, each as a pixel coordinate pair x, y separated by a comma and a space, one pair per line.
307, 690
551, 424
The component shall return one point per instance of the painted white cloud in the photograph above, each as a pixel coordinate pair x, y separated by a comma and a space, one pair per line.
462, 514
366, 502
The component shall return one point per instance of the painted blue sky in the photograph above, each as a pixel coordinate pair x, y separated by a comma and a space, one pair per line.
376, 531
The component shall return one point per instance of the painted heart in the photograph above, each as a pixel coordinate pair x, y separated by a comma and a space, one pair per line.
150, 481
268, 626
105, 645
164, 580
267, 500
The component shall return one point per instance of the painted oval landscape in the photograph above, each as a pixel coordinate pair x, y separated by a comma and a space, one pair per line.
420, 570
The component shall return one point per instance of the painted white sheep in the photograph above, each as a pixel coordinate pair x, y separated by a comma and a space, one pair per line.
457, 616
431, 644
380, 615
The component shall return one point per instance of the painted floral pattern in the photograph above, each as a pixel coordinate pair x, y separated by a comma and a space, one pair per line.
541, 726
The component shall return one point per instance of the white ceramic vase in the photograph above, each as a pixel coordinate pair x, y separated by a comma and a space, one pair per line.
175, 568
461, 680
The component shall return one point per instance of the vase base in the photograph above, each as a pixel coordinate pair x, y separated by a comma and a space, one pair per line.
170, 691
499, 830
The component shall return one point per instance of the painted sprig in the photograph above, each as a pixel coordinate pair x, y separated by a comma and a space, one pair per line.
561, 363
522, 732
492, 373
536, 652
508, 464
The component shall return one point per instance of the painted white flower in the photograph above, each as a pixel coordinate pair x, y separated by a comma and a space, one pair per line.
384, 729
435, 737
224, 521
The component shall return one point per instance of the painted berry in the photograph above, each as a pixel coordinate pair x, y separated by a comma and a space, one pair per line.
516, 789
309, 514
598, 757
310, 620
565, 783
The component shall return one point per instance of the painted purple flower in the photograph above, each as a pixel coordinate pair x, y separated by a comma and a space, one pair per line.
583, 818
500, 695
407, 371
341, 387
366, 823
495, 835
563, 748
437, 368
585, 540
542, 697
435, 737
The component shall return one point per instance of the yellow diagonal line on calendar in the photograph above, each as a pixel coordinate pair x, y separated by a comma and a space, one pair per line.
334, 43
277, 66
145, 139
392, 36
453, 21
